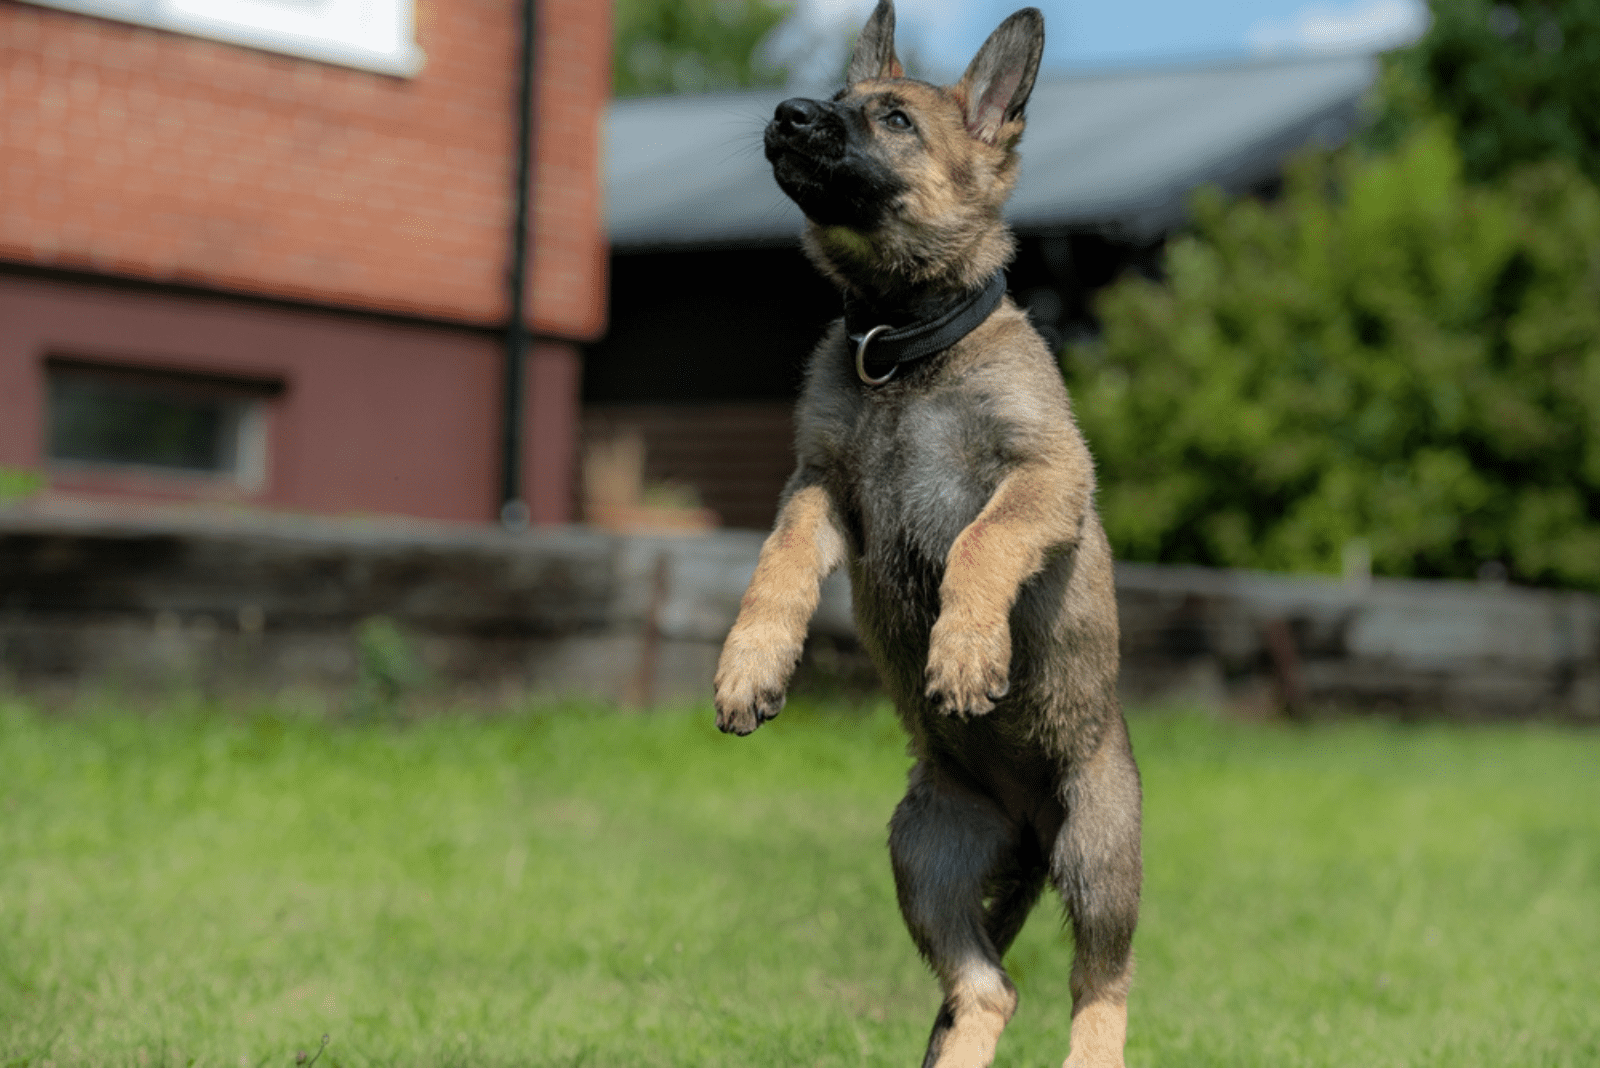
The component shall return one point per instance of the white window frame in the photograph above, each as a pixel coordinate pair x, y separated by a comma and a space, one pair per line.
375, 35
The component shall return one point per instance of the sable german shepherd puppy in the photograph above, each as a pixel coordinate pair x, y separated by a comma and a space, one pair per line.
938, 459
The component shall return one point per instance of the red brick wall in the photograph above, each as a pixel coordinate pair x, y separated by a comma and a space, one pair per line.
570, 252
136, 152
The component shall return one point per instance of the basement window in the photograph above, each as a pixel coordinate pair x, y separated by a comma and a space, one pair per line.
375, 35
159, 421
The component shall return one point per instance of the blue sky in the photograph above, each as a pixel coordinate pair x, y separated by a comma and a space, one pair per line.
1086, 36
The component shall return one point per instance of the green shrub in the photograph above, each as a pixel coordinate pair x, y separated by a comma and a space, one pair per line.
1388, 353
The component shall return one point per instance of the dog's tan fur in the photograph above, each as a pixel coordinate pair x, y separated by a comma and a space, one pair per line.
960, 496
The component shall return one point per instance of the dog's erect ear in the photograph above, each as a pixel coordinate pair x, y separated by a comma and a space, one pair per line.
874, 55
1000, 77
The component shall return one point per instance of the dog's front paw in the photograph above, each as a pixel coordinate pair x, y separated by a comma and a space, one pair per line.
748, 688
968, 667
742, 708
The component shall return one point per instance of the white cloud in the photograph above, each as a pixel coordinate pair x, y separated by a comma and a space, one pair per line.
812, 43
1365, 26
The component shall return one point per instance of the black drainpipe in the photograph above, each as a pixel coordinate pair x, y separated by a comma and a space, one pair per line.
513, 509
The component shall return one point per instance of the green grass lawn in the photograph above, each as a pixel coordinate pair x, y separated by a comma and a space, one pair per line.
563, 886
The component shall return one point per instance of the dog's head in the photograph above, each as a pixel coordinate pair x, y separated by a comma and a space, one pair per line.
903, 182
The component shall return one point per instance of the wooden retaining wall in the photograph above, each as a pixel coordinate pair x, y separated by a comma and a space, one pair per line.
275, 602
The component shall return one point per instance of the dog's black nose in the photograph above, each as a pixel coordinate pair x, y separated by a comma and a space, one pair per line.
797, 113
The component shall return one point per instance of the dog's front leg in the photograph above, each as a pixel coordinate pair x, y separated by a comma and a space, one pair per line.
1033, 510
762, 649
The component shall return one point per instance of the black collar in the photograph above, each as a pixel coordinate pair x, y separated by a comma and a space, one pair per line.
882, 349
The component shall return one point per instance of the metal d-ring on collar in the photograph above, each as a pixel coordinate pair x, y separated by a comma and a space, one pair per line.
922, 338
861, 359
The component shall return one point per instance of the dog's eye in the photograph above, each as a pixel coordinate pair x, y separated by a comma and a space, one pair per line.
897, 120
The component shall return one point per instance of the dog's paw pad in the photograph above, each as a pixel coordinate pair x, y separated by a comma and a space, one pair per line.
741, 714
957, 704
967, 671
969, 692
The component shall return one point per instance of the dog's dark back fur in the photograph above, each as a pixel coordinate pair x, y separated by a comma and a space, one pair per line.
960, 496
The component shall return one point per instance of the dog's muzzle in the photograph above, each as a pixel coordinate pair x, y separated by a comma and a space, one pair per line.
811, 128
797, 115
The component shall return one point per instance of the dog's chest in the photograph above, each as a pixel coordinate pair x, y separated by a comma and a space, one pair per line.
915, 466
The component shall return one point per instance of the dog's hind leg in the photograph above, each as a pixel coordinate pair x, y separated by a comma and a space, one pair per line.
1012, 896
1097, 868
948, 844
